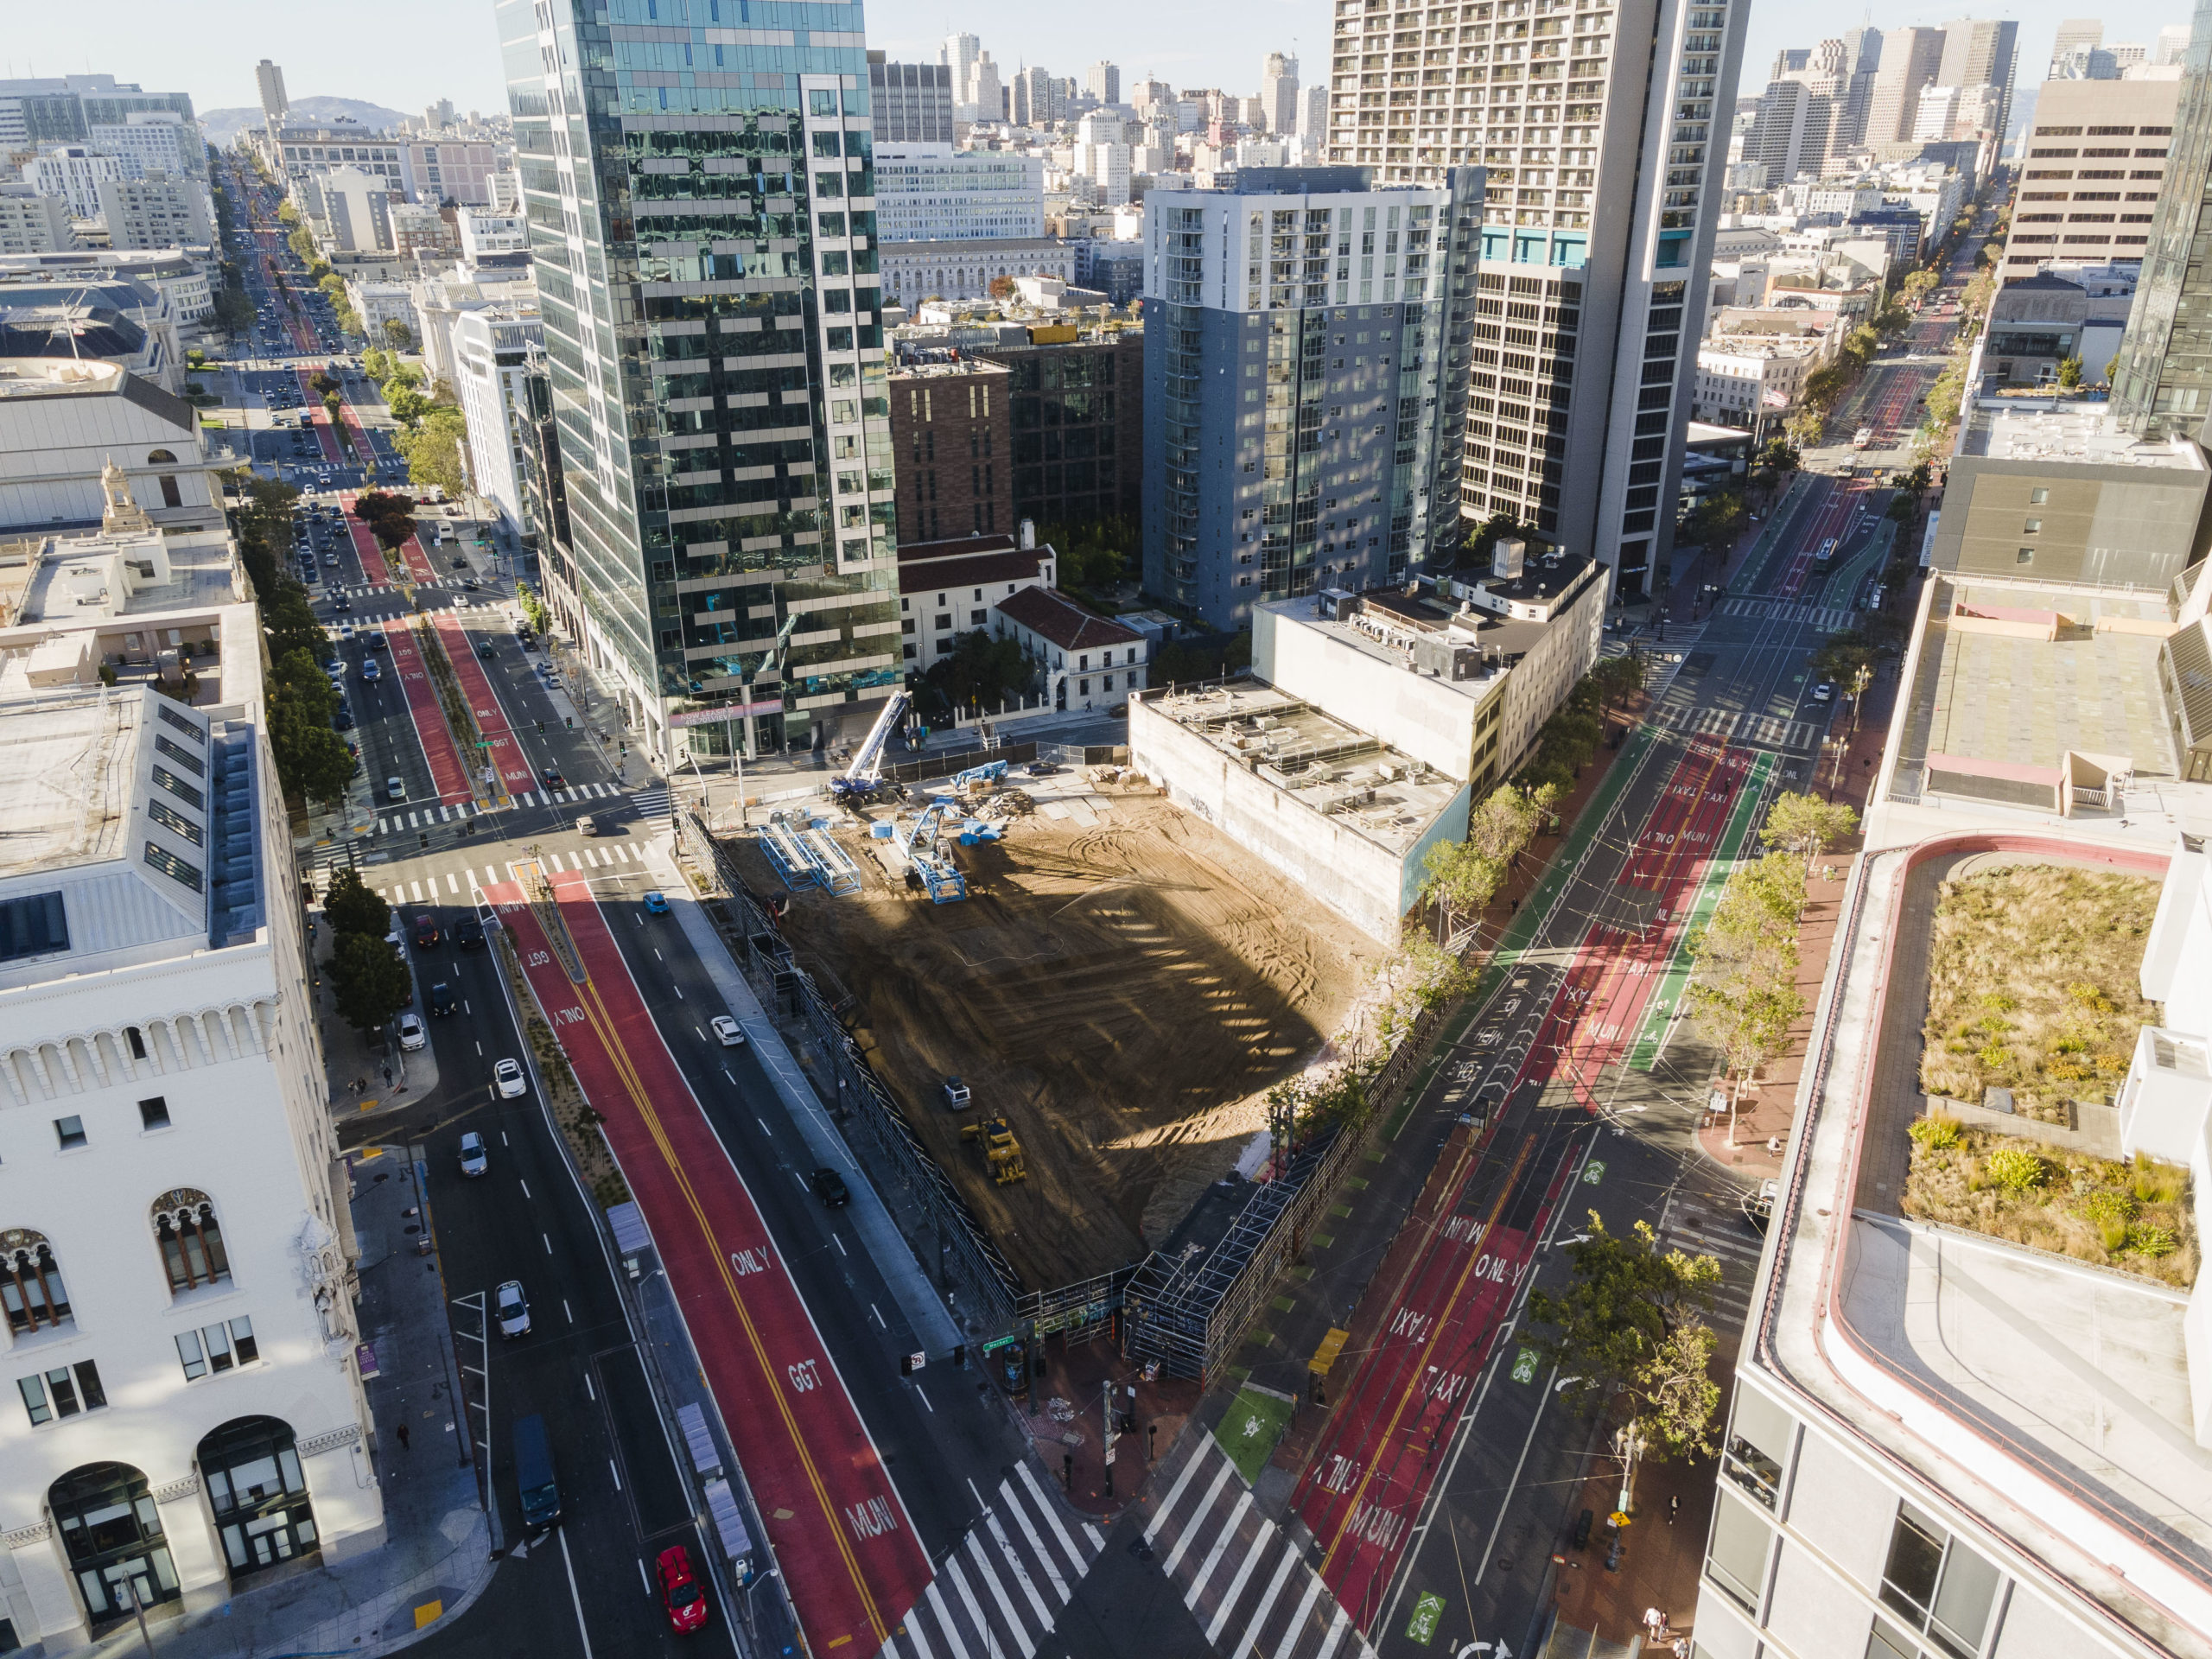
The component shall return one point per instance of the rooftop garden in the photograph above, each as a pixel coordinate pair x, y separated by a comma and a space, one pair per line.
2134, 1218
2033, 985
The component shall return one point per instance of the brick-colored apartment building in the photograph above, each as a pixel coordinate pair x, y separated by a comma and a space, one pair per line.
952, 439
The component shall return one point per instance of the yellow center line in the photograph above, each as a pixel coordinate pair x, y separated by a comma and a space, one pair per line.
603, 1025
1420, 1360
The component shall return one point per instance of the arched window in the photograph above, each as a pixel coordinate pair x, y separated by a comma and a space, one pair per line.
190, 1239
160, 458
105, 1514
258, 1493
30, 1282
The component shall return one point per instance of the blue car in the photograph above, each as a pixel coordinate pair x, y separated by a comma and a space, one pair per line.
370, 671
655, 904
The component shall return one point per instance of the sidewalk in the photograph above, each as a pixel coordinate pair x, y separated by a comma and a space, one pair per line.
389, 1076
1760, 1143
436, 1558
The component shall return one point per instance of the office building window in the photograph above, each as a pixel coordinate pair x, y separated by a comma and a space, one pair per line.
1938, 1585
1737, 1557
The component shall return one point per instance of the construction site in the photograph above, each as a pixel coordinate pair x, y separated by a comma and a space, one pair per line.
1079, 993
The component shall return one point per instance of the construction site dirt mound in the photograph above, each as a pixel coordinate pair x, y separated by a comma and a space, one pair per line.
1122, 984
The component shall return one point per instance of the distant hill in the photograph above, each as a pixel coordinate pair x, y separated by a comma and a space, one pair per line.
223, 125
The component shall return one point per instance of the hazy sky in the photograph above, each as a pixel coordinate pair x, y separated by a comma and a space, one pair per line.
404, 54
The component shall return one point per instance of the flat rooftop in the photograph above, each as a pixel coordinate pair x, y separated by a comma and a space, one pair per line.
2026, 702
2047, 428
2045, 1399
68, 771
75, 580
1384, 794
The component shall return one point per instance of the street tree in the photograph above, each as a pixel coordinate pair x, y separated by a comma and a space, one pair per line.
369, 982
1502, 826
1677, 1395
1624, 1331
1460, 879
1806, 824
401, 336
352, 906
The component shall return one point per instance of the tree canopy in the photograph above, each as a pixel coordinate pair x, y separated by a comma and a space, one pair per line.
369, 982
1632, 1325
352, 906
1806, 824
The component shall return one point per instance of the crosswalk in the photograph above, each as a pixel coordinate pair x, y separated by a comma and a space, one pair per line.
1250, 1588
1003, 1590
651, 803
423, 817
461, 883
1732, 725
1698, 1230
1827, 618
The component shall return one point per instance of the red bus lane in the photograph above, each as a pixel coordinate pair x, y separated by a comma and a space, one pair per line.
365, 545
505, 753
1833, 517
449, 774
419, 562
841, 1533
1375, 1466
324, 435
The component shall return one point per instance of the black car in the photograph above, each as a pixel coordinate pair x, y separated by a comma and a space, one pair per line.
441, 998
468, 933
343, 720
828, 1185
550, 776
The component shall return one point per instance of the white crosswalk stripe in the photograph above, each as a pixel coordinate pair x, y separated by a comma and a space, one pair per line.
1769, 731
1238, 1570
1003, 1590
651, 803
1827, 618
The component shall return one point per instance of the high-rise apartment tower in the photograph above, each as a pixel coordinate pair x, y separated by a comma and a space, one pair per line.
704, 239
1604, 134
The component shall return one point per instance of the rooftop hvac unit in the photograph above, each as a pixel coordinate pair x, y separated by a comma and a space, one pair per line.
1507, 555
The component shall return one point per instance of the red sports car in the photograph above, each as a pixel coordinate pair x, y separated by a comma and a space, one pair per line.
682, 1596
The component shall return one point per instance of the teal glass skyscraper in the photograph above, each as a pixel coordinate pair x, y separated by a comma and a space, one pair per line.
2162, 378
699, 185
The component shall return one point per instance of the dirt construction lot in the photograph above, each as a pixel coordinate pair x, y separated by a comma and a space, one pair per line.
1123, 991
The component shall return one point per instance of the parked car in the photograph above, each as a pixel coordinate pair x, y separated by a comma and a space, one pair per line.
512, 1308
1823, 692
726, 1030
474, 1160
507, 1074
411, 1034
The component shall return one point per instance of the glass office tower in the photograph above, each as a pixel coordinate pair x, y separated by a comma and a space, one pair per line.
698, 180
2162, 378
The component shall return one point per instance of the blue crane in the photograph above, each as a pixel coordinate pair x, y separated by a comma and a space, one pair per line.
941, 877
863, 779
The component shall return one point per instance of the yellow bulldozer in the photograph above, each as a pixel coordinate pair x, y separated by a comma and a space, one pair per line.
1001, 1152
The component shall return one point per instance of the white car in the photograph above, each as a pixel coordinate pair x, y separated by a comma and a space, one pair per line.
508, 1075
512, 1308
411, 1034
727, 1032
1823, 692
